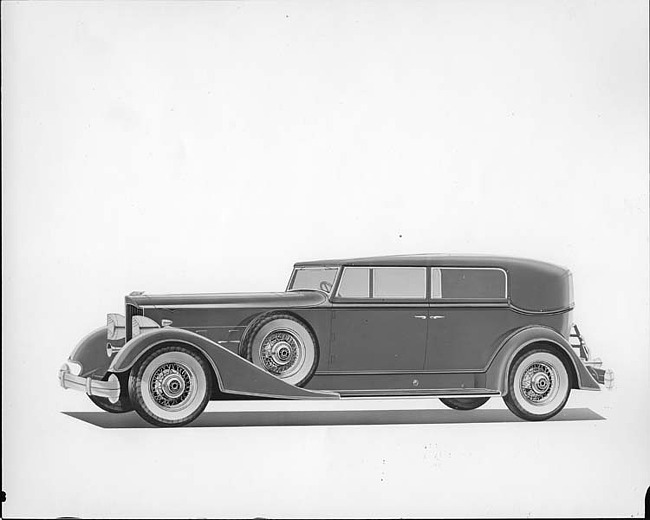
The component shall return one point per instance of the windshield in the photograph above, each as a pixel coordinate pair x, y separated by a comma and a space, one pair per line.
315, 278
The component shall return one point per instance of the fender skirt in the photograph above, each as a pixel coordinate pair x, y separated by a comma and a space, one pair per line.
235, 375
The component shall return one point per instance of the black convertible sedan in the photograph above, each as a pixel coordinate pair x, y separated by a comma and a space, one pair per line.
459, 328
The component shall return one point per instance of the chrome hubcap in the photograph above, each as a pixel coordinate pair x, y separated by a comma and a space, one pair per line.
281, 353
170, 384
173, 385
539, 383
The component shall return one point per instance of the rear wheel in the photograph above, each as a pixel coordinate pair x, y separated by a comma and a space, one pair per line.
464, 403
538, 385
171, 386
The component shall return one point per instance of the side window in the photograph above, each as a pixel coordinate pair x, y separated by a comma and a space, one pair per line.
471, 284
399, 282
355, 283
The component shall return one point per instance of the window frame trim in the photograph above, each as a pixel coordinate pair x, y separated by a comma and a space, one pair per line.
312, 267
372, 299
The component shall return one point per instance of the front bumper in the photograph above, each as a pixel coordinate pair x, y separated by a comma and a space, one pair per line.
109, 389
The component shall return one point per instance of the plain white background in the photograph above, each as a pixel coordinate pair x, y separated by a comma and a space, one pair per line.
206, 146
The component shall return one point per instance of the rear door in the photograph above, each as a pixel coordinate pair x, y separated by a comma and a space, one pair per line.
379, 319
468, 317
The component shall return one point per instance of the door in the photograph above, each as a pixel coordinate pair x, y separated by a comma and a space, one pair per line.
379, 320
468, 317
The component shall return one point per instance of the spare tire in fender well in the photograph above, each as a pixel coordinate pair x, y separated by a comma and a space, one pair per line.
306, 342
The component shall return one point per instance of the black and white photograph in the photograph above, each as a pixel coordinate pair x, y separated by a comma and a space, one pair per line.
325, 259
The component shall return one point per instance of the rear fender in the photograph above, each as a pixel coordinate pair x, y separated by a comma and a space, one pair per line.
234, 374
497, 373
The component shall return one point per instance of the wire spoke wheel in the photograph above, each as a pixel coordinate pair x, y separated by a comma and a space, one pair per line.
538, 385
283, 346
282, 353
171, 386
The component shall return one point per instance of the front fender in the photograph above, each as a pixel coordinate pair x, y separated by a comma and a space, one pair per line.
90, 353
234, 374
499, 368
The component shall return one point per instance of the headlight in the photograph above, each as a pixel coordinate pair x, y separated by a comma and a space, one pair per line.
141, 325
116, 327
73, 367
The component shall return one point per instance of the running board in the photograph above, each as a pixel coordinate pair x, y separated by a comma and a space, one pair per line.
417, 394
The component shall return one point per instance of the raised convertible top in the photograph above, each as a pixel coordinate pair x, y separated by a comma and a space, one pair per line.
532, 285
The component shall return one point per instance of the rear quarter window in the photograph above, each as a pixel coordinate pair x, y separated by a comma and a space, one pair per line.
473, 284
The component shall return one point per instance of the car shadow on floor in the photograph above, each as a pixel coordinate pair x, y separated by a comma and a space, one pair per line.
331, 418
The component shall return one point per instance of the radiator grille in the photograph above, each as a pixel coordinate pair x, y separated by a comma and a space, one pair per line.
131, 310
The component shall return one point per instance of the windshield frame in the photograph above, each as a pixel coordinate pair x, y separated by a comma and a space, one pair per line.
301, 268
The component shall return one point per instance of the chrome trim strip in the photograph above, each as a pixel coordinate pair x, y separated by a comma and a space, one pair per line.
368, 304
422, 396
379, 305
240, 305
315, 394
226, 341
395, 372
413, 393
500, 304
231, 328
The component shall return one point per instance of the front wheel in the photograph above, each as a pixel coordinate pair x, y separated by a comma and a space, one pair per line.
464, 403
171, 386
538, 385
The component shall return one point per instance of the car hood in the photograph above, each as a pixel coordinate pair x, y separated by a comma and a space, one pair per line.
279, 299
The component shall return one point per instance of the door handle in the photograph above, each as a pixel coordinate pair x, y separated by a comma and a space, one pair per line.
438, 317
420, 317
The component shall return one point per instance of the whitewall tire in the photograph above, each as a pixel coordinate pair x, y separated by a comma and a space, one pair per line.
171, 386
539, 384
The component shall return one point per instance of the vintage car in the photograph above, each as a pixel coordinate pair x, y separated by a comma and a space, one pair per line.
459, 328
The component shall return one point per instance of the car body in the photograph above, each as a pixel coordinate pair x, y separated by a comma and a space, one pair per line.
456, 327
